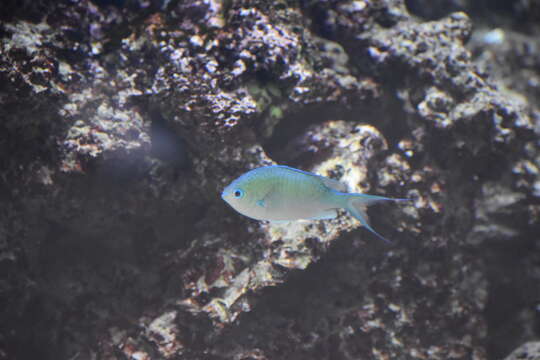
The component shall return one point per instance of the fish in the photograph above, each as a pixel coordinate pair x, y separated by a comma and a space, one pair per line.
279, 193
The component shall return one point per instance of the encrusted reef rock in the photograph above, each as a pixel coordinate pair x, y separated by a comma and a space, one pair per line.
122, 121
527, 351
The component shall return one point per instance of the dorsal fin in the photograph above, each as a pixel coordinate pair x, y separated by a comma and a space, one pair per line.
333, 184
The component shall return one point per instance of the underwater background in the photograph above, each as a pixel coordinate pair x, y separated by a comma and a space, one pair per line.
121, 122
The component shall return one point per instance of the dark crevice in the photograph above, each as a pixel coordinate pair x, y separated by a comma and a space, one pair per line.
383, 113
435, 9
506, 13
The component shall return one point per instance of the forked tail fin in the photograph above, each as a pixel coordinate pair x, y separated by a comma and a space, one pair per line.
356, 206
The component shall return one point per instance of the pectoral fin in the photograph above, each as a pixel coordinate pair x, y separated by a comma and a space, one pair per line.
266, 198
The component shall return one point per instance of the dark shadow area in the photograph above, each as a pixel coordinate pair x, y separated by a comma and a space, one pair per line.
167, 146
512, 306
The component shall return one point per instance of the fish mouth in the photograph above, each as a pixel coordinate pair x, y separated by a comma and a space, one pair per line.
225, 193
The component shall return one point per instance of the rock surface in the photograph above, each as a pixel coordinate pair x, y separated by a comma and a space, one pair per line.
123, 120
527, 351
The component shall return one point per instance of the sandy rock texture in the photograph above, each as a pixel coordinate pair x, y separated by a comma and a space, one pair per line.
123, 120
528, 351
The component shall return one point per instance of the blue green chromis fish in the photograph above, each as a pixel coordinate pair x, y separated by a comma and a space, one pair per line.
281, 193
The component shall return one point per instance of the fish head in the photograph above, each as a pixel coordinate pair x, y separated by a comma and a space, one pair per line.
244, 195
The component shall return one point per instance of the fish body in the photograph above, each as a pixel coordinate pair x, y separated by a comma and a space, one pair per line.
281, 193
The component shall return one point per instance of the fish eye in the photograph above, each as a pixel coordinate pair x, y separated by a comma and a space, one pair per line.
238, 193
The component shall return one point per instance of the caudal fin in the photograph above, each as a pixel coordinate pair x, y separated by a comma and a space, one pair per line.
356, 206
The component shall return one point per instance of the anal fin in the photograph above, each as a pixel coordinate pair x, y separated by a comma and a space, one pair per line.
358, 210
325, 215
